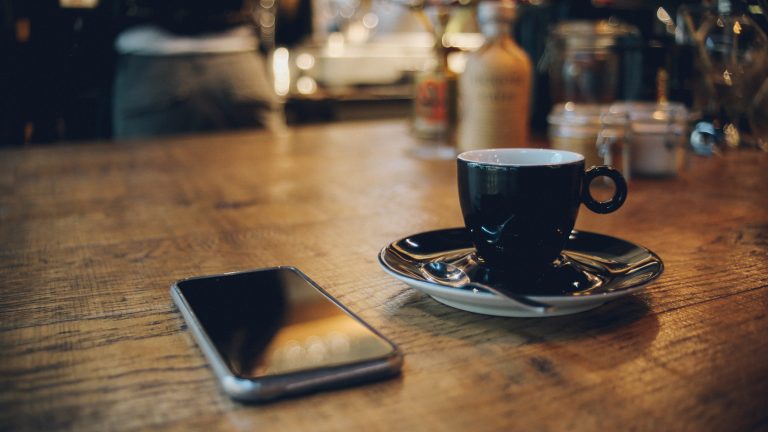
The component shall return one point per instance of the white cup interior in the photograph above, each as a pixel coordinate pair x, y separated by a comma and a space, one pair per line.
520, 157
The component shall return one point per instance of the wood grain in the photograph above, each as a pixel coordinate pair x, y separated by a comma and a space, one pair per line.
93, 234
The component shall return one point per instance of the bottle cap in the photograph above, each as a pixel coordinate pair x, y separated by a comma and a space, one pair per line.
496, 11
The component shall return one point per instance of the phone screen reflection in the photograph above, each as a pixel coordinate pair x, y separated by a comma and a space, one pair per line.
275, 322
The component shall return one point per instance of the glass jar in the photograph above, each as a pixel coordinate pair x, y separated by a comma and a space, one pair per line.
587, 60
656, 136
581, 127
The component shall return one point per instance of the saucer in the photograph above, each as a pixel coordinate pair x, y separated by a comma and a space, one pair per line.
593, 269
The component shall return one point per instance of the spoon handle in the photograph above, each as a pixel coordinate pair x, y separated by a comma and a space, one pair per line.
520, 300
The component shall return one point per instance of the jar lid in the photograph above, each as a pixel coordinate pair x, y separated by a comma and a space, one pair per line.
574, 114
592, 34
496, 11
653, 117
652, 112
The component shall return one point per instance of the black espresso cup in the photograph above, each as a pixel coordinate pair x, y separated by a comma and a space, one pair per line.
520, 205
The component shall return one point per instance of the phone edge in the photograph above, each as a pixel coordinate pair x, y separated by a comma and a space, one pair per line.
280, 386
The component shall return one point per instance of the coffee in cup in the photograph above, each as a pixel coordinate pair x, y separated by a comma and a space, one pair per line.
520, 205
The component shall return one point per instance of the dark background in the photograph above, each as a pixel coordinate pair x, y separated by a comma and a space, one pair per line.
56, 64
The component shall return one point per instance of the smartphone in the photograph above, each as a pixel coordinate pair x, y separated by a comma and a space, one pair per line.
272, 333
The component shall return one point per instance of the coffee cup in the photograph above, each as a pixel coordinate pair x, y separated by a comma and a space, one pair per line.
520, 205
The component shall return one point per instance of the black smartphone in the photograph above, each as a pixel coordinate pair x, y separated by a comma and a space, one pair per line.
271, 333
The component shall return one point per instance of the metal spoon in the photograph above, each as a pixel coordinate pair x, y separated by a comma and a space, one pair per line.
447, 274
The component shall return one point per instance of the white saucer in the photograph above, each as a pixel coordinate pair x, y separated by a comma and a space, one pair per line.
597, 269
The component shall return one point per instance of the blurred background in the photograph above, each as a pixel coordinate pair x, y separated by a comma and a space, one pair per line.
334, 60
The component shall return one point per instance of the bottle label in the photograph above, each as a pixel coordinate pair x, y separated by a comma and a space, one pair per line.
497, 89
434, 106
430, 100
495, 107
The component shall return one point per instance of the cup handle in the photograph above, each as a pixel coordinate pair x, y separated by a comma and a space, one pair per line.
619, 194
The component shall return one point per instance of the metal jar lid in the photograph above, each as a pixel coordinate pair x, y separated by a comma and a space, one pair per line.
580, 120
653, 117
592, 35
496, 11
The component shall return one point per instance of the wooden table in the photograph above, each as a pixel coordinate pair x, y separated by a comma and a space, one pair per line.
92, 235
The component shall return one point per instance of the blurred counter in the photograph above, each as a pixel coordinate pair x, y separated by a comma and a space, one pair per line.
350, 77
350, 103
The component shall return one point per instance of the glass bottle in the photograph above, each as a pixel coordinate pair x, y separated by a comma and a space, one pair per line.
495, 88
732, 63
434, 110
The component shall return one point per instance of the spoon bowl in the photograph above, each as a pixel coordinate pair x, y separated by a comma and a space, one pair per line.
453, 275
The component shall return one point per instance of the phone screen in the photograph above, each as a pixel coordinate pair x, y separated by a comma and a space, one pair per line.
274, 321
